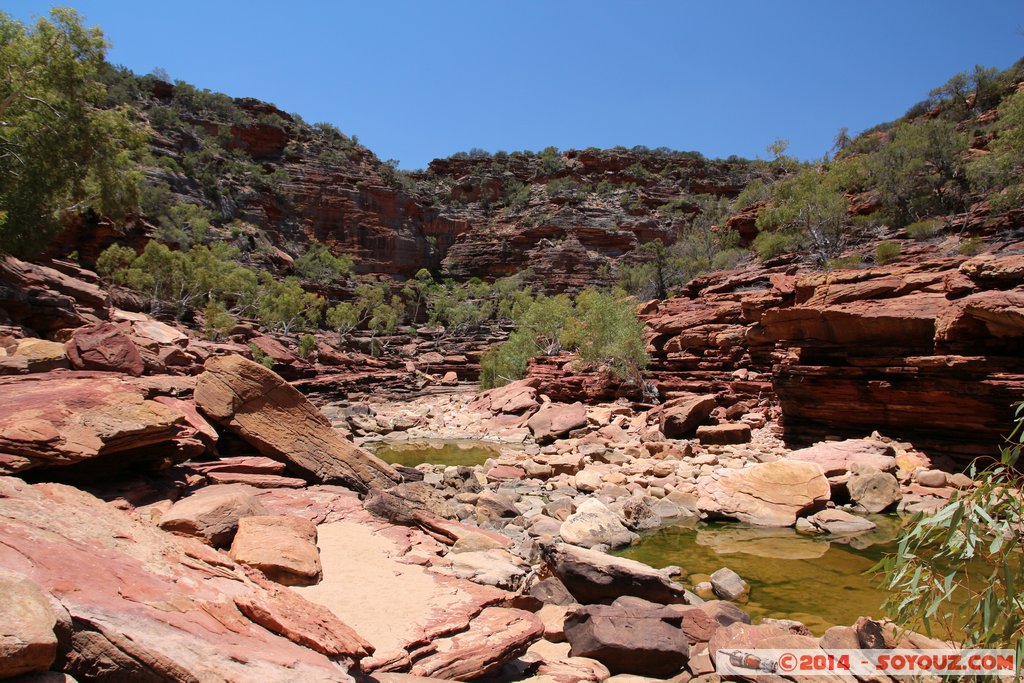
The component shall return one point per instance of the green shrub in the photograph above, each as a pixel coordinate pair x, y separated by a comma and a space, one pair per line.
846, 262
217, 321
321, 266
61, 151
601, 327
769, 245
114, 260
307, 345
506, 363
887, 252
922, 230
343, 318
260, 357
970, 246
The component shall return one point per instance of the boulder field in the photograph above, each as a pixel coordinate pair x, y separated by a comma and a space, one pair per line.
171, 510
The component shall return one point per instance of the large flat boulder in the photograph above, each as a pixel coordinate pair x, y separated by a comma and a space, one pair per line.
41, 355
512, 399
211, 514
280, 423
595, 524
137, 603
556, 420
592, 576
282, 547
837, 458
629, 640
765, 494
873, 491
64, 418
681, 416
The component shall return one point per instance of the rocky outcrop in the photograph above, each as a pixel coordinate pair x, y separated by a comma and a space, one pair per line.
64, 418
280, 423
137, 603
43, 299
923, 352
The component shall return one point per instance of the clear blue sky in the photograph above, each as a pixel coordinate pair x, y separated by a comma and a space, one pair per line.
417, 80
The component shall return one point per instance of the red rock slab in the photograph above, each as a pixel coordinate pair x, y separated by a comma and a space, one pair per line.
908, 321
493, 638
61, 418
260, 481
202, 429
27, 621
281, 423
140, 602
104, 346
247, 464
451, 532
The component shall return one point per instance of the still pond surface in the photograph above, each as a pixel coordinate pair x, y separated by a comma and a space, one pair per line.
819, 581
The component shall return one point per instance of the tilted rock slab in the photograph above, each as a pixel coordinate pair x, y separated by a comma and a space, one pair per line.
494, 637
62, 418
592, 576
137, 603
211, 514
766, 494
280, 423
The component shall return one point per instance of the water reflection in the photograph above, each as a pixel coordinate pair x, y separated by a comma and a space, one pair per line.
818, 580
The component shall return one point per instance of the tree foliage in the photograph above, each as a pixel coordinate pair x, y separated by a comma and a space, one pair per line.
807, 205
319, 265
60, 152
602, 328
959, 573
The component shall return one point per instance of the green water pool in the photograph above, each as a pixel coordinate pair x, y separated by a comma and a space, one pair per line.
445, 453
816, 580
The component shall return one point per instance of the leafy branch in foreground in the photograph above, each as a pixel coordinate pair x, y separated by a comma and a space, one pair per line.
959, 573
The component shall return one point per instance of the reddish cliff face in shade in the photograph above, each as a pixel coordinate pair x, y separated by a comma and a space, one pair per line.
928, 352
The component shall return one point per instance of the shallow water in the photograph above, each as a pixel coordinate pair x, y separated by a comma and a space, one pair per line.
814, 579
414, 453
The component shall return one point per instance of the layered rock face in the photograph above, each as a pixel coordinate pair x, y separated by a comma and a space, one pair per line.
458, 217
927, 352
